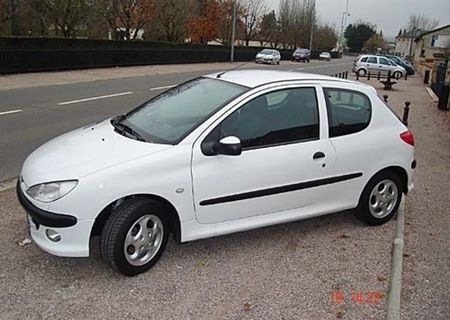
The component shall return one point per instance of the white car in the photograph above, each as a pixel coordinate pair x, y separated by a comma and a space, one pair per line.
325, 56
222, 153
377, 64
268, 56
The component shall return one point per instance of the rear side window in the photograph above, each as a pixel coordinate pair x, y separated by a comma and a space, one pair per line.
348, 111
364, 59
372, 60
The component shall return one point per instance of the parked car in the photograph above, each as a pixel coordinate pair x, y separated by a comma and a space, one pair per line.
223, 153
374, 64
409, 69
301, 55
325, 56
268, 56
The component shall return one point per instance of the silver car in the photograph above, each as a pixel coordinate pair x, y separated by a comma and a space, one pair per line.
375, 64
268, 56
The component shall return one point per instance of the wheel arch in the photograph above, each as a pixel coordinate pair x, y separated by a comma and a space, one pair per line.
400, 172
175, 223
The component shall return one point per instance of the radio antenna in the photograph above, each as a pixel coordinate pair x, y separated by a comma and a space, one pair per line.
234, 68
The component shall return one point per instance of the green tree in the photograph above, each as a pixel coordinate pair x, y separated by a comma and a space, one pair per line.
357, 34
268, 32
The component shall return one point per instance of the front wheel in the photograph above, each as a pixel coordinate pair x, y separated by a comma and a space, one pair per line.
135, 235
380, 198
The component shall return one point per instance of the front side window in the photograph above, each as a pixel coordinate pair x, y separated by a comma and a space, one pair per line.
169, 117
384, 61
348, 111
278, 117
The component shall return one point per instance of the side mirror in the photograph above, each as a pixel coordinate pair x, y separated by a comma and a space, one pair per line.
229, 146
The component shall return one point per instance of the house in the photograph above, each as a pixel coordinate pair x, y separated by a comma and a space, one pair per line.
431, 49
404, 43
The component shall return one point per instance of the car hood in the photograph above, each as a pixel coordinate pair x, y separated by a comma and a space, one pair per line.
82, 152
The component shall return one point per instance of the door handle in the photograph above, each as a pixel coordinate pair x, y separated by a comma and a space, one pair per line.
318, 155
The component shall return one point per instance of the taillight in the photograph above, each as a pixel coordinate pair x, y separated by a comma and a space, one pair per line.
408, 137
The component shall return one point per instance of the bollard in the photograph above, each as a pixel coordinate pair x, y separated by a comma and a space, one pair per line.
357, 76
378, 77
368, 76
426, 77
340, 75
406, 113
406, 76
385, 97
346, 74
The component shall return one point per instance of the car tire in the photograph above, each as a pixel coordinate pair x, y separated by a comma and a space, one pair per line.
128, 224
361, 72
380, 198
397, 75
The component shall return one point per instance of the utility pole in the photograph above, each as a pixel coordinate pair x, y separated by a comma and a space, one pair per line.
313, 22
345, 14
233, 31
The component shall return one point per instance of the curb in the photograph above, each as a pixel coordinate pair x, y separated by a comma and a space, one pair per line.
432, 95
8, 184
395, 284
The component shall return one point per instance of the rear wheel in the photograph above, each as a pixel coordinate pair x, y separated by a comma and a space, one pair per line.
397, 74
134, 236
361, 72
380, 198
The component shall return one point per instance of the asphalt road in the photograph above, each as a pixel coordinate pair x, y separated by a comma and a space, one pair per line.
31, 116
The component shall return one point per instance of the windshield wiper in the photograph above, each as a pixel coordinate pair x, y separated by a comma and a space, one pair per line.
125, 129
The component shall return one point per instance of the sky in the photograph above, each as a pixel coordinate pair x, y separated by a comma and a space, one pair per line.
387, 15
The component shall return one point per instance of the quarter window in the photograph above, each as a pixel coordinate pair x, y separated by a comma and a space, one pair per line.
348, 111
364, 59
278, 117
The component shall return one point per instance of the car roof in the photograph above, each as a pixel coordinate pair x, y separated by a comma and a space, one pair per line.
254, 78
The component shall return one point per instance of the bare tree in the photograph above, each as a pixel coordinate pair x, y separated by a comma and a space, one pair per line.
251, 17
127, 15
67, 15
296, 18
171, 19
421, 22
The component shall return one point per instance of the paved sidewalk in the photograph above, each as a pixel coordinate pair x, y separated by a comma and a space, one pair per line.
426, 262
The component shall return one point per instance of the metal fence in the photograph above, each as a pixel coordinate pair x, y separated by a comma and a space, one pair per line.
46, 54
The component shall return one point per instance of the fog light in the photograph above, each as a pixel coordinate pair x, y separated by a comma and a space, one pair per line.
52, 235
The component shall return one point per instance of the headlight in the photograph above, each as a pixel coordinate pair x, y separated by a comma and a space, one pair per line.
48, 192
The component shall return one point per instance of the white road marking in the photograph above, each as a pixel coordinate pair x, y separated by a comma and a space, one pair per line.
161, 88
10, 111
95, 98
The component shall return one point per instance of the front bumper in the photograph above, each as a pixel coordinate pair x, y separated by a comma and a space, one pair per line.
75, 234
43, 217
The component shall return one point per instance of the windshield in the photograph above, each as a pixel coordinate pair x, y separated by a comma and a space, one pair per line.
265, 51
171, 116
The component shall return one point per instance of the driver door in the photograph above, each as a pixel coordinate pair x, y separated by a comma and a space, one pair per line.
284, 161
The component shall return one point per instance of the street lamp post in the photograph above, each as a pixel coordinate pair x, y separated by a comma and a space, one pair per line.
345, 14
233, 32
313, 21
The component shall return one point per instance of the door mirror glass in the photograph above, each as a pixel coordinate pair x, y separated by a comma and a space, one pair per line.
230, 146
